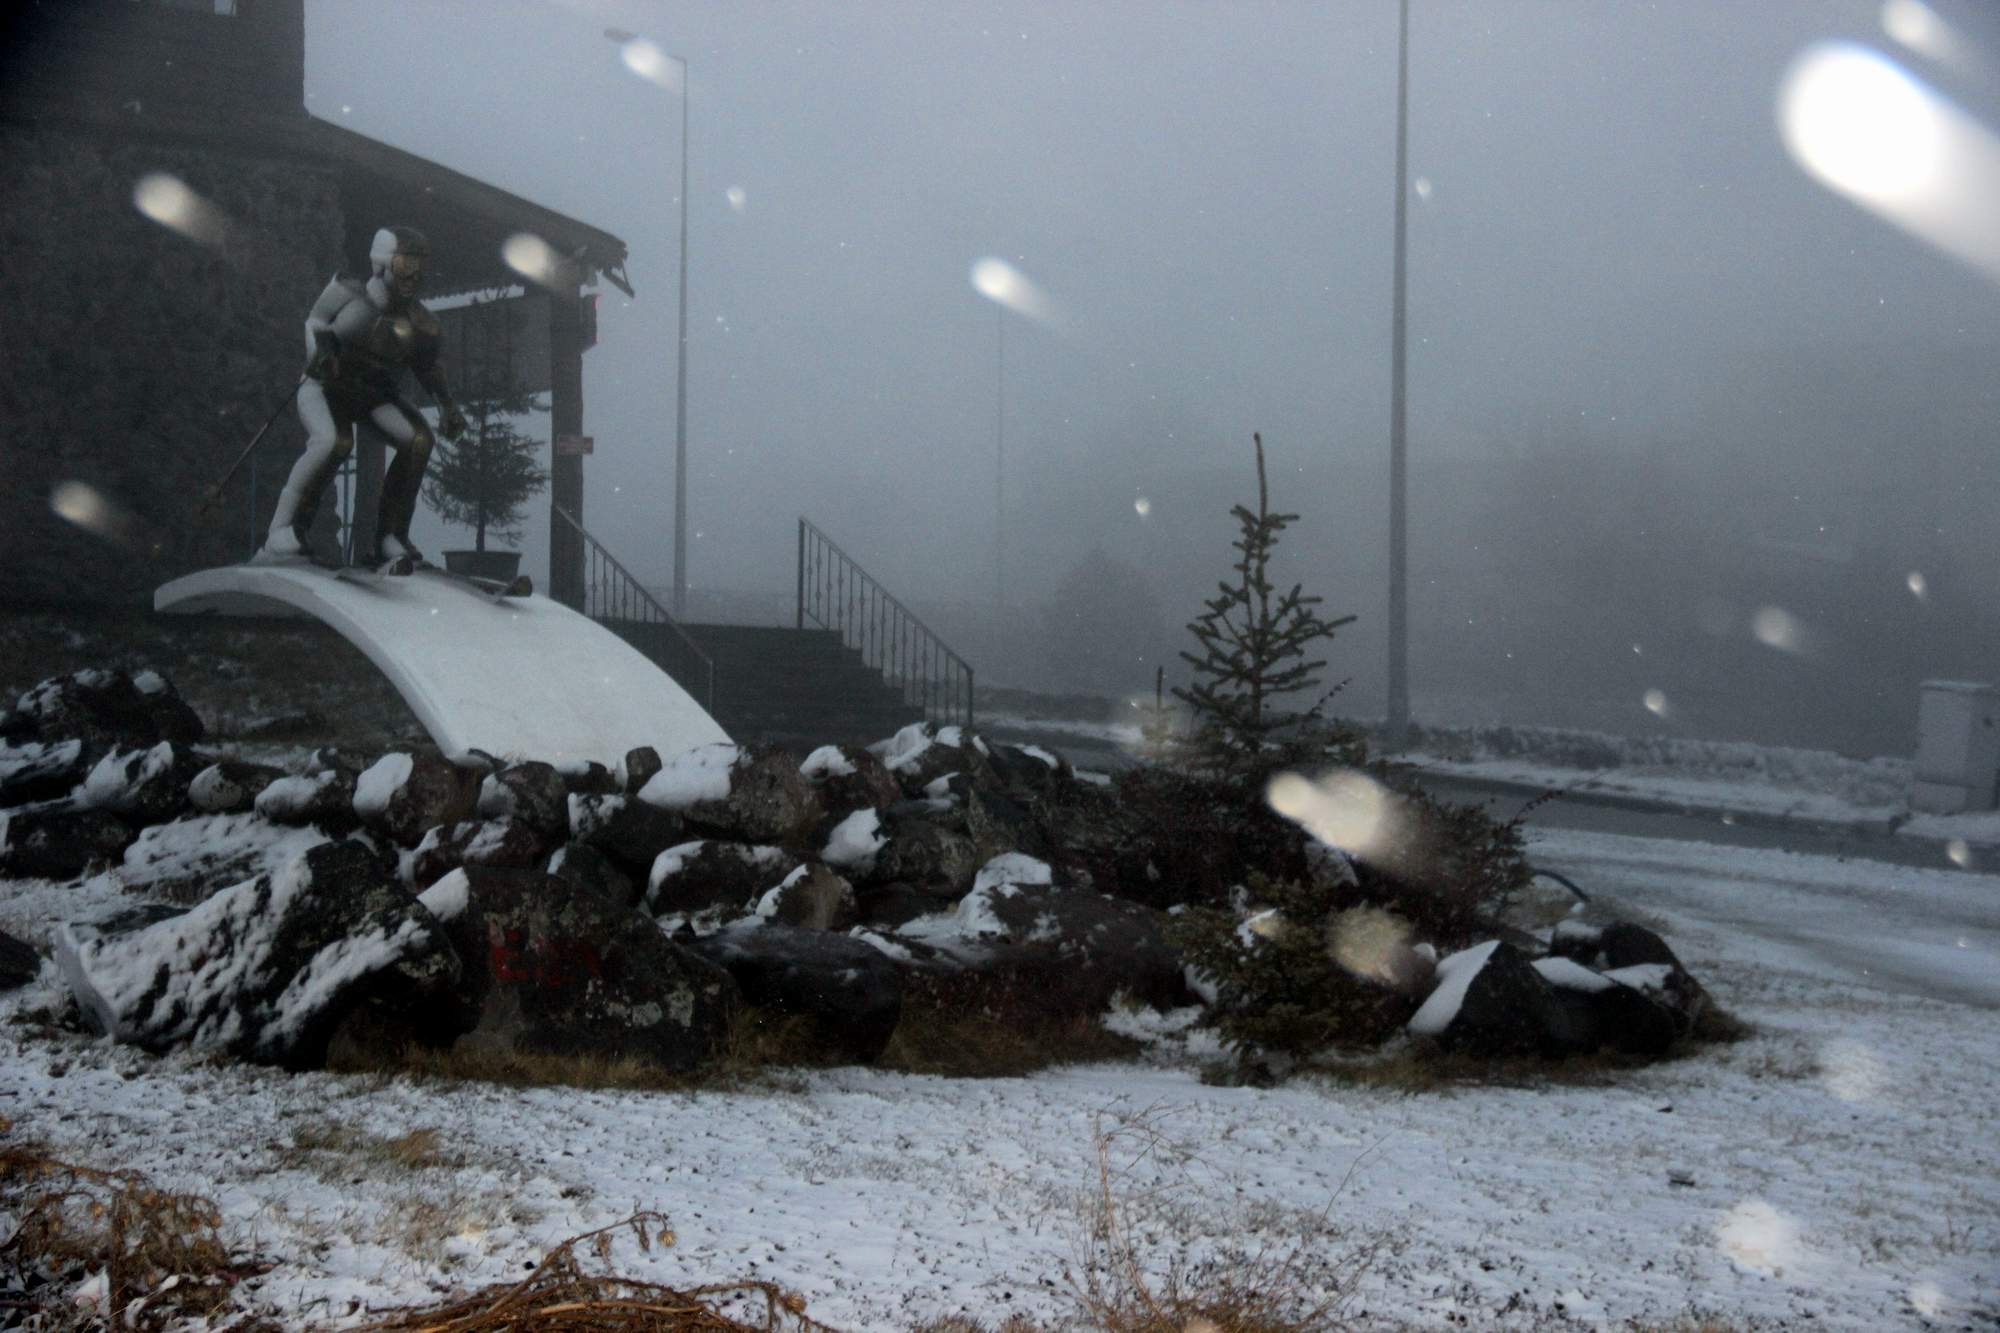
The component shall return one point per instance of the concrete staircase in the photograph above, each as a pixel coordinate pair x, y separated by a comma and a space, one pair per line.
798, 688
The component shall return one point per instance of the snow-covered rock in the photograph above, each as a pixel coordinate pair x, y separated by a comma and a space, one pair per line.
743, 795
144, 786
553, 969
922, 752
230, 786
849, 778
324, 798
190, 859
475, 842
812, 896
532, 794
704, 874
40, 772
55, 840
852, 991
403, 796
854, 842
920, 851
261, 970
99, 708
624, 828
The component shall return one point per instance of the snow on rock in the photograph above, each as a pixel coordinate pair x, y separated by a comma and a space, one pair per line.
826, 762
707, 874
446, 899
323, 797
854, 842
40, 772
189, 859
258, 970
532, 793
1571, 975
730, 792
693, 776
901, 751
143, 785
630, 832
229, 786
1454, 973
811, 896
379, 782
1013, 868
490, 842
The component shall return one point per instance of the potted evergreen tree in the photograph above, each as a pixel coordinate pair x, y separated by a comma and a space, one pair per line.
485, 480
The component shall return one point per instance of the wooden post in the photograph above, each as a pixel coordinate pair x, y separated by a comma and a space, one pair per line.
565, 470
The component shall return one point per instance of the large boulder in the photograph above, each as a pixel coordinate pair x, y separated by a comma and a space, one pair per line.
99, 708
1116, 945
705, 875
532, 794
57, 841
552, 968
262, 971
629, 831
923, 851
34, 771
1490, 1000
852, 991
230, 786
853, 842
594, 872
500, 843
403, 796
144, 786
726, 791
1638, 959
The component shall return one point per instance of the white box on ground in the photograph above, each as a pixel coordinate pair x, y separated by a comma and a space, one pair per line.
1958, 747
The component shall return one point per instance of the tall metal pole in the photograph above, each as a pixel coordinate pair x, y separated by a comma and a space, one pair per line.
1397, 728
999, 455
680, 380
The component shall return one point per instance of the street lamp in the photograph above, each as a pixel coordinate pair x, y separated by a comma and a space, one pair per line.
645, 58
1002, 284
1397, 724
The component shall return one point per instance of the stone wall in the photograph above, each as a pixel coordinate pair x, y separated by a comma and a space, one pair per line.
138, 362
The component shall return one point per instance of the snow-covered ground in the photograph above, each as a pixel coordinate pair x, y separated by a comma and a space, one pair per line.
1837, 1169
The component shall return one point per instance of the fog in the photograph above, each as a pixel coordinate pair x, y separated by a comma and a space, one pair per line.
1663, 381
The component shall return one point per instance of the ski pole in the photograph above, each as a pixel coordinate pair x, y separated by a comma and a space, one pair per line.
215, 491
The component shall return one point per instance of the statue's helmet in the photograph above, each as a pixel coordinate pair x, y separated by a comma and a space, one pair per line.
397, 256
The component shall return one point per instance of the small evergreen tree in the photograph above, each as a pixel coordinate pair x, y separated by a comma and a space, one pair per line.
1253, 642
485, 480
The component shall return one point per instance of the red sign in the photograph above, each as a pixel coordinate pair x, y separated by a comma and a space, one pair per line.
574, 446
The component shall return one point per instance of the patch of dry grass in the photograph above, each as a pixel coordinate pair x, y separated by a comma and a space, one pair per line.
159, 1252
561, 1294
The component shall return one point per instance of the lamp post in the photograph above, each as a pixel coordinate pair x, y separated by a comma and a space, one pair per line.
1397, 723
999, 282
645, 58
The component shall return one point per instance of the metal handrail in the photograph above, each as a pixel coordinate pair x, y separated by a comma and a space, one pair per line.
614, 598
836, 593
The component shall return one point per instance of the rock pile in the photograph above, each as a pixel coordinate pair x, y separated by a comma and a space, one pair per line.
372, 903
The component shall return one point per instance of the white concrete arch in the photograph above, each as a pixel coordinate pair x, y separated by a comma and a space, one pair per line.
513, 677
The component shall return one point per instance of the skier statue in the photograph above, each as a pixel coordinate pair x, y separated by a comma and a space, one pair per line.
360, 338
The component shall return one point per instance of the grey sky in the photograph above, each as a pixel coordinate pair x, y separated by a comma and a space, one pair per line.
1611, 241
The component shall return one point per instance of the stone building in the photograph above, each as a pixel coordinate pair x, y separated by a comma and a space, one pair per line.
168, 209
